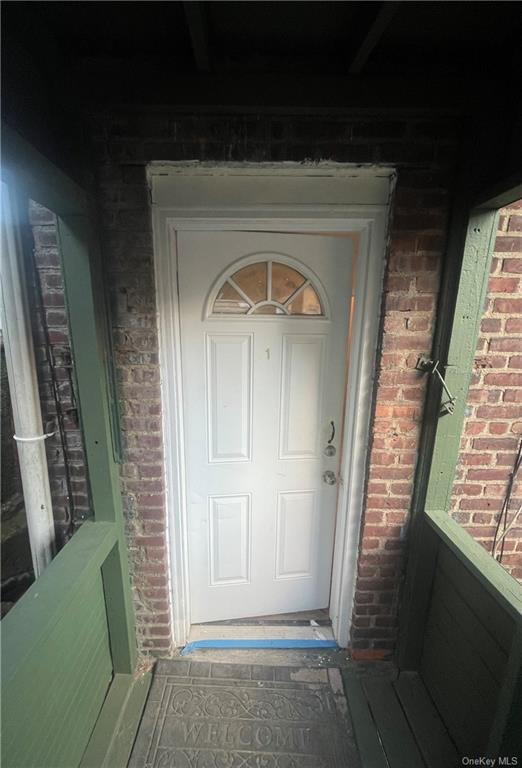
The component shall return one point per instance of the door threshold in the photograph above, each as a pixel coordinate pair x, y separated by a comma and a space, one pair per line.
260, 636
295, 619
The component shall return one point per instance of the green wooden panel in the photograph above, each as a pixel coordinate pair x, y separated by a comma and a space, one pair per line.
472, 657
113, 737
366, 736
480, 635
511, 741
394, 731
91, 702
29, 623
480, 678
75, 626
480, 571
469, 306
119, 612
480, 601
88, 342
468, 715
51, 701
506, 732
437, 749
91, 679
61, 673
415, 599
459, 312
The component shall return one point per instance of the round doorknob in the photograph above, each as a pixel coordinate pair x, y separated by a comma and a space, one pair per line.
329, 477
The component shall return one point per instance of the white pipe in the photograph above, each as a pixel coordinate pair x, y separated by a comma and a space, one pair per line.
23, 386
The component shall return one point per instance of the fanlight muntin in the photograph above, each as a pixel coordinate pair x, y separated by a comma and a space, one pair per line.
267, 286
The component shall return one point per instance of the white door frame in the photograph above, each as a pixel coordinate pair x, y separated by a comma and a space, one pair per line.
194, 196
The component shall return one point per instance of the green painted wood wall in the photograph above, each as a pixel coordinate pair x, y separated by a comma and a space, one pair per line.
466, 648
72, 634
461, 617
56, 657
472, 652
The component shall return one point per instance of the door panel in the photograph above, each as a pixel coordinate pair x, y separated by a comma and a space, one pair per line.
229, 520
301, 395
296, 527
261, 388
229, 407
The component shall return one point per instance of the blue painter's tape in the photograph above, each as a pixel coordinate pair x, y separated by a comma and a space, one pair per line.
277, 644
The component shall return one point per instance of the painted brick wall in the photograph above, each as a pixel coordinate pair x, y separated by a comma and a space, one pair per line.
425, 155
53, 355
493, 427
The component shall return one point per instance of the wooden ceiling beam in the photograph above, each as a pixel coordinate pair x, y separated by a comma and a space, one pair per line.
374, 34
198, 30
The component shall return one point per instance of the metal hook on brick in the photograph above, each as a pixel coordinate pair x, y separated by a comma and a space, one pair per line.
426, 365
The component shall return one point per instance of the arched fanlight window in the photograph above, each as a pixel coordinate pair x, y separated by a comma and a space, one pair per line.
267, 288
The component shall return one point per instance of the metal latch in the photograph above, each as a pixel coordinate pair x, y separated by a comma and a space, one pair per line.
426, 365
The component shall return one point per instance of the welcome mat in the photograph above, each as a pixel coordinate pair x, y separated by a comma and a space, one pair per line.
210, 715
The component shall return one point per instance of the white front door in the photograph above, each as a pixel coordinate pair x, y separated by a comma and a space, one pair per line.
264, 322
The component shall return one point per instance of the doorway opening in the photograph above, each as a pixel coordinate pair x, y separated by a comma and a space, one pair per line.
265, 414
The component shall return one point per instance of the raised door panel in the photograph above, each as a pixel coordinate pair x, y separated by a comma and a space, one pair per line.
296, 517
301, 395
229, 397
229, 544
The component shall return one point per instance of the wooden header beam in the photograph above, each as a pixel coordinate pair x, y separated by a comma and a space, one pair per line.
36, 178
501, 194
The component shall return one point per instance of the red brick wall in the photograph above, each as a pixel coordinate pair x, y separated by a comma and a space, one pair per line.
410, 290
424, 154
53, 354
493, 427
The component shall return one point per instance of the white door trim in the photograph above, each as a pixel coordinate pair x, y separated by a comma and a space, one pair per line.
370, 221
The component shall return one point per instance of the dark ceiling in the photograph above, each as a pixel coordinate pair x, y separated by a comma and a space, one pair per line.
117, 40
61, 60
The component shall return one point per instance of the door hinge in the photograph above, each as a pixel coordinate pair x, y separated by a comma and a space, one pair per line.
426, 365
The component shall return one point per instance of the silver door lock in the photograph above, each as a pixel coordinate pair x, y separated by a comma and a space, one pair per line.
329, 477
